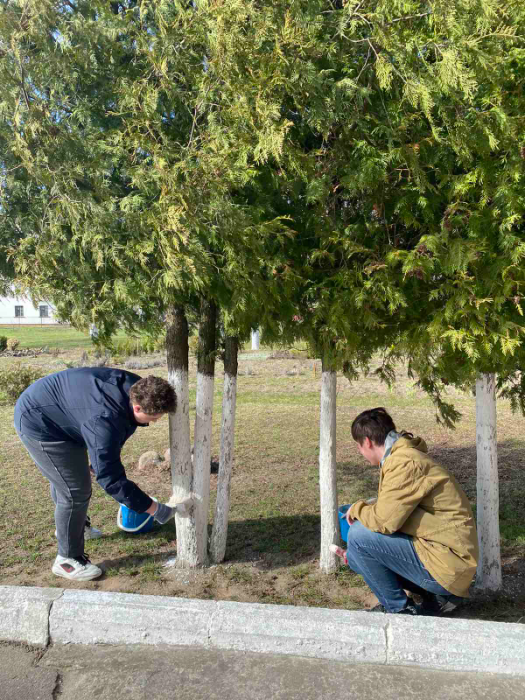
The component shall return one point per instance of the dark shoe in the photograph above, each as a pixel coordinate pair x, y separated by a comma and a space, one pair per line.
410, 609
440, 605
377, 608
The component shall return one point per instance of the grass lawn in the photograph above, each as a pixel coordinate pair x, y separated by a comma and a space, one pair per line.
61, 337
273, 543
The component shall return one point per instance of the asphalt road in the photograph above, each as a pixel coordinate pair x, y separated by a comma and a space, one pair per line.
104, 672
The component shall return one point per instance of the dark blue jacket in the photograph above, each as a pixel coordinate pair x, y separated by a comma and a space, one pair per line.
89, 406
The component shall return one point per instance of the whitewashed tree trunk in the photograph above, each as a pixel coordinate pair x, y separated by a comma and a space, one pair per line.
201, 462
203, 427
327, 471
488, 574
255, 340
179, 429
229, 401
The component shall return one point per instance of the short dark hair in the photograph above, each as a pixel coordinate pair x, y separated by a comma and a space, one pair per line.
154, 395
375, 424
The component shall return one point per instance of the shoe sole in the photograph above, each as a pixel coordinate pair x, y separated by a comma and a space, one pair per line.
80, 577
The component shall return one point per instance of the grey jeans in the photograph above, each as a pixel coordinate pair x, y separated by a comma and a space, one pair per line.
66, 466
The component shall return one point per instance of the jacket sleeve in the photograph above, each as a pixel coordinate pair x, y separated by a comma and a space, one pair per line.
403, 487
103, 437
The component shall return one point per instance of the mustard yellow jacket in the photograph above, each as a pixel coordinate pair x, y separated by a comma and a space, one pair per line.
418, 497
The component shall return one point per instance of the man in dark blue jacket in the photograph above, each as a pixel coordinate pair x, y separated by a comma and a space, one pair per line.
63, 418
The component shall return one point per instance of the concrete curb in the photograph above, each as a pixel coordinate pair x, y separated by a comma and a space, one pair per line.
40, 616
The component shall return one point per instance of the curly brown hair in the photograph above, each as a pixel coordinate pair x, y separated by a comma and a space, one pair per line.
154, 395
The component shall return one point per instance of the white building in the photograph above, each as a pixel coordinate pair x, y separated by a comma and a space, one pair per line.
21, 311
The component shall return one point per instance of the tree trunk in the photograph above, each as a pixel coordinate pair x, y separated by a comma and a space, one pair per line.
255, 339
179, 429
229, 399
327, 470
203, 426
488, 574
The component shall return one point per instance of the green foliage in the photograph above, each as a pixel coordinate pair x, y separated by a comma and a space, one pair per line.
349, 174
3, 343
15, 380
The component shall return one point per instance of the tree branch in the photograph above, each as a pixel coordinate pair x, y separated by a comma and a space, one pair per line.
404, 19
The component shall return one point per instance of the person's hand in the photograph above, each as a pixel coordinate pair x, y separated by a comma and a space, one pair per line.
163, 513
349, 520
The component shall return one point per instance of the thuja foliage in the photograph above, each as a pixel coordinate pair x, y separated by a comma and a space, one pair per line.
348, 172
119, 195
401, 170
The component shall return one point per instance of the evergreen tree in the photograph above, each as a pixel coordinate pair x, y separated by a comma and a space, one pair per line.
120, 202
357, 165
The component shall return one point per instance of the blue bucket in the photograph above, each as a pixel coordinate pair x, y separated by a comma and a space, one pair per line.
343, 525
136, 523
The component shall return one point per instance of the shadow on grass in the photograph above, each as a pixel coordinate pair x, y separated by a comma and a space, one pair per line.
282, 541
288, 539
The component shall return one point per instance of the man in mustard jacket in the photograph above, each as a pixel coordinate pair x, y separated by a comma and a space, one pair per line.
419, 535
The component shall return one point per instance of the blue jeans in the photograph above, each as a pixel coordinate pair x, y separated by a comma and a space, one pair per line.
389, 564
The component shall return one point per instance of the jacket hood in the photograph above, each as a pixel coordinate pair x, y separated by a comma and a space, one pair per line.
414, 443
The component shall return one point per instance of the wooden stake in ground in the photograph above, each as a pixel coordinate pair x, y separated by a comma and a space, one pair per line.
229, 401
179, 428
488, 575
203, 426
327, 470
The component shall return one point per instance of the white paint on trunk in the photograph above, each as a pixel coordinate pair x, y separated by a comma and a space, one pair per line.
222, 506
201, 462
255, 340
488, 574
327, 472
182, 468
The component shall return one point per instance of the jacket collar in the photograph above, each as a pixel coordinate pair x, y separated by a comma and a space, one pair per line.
391, 438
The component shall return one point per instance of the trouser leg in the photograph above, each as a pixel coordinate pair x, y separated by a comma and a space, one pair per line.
66, 466
388, 563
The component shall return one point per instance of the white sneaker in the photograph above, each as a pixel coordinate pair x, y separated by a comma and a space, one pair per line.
90, 533
79, 569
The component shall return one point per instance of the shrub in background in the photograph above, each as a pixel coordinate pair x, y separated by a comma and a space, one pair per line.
15, 380
134, 347
142, 364
193, 344
3, 343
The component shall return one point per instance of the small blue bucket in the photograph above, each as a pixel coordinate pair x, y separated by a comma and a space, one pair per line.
343, 525
136, 523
